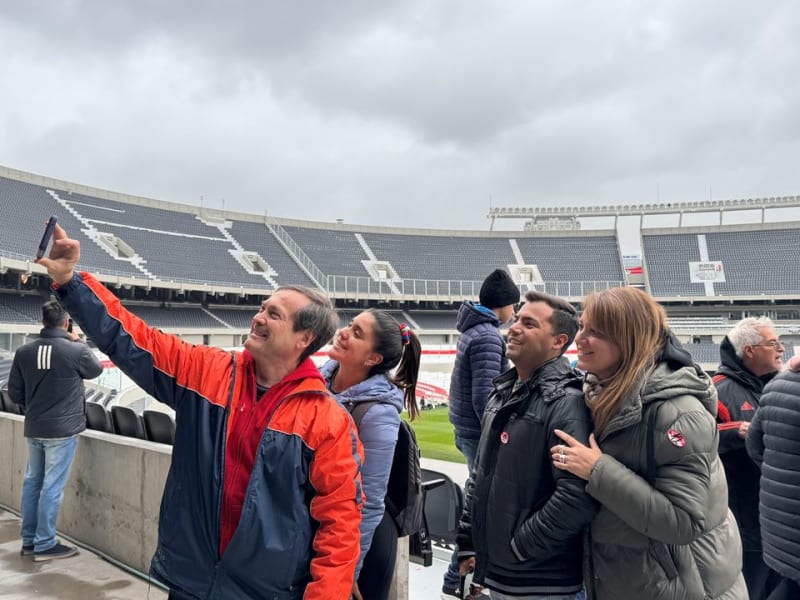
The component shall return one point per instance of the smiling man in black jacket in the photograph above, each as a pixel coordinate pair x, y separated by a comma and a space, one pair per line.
521, 529
46, 380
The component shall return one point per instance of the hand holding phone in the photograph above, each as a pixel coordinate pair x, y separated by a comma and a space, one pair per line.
47, 238
60, 254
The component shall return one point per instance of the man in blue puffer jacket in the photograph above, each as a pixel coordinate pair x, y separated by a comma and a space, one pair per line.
480, 357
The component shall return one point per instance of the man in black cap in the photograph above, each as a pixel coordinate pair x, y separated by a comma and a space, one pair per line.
480, 357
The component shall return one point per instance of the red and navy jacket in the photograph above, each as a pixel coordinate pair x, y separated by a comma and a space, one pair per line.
263, 499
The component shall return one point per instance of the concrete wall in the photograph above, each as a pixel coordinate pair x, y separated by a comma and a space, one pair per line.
113, 495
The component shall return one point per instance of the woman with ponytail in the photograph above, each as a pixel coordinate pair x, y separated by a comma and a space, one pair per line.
363, 356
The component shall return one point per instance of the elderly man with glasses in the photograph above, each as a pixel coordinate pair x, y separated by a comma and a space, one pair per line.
751, 355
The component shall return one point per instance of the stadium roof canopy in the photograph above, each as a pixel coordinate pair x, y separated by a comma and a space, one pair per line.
617, 210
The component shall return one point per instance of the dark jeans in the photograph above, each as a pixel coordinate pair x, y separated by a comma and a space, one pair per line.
760, 579
375, 577
469, 448
786, 590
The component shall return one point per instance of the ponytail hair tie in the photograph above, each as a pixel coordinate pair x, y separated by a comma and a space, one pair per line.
405, 331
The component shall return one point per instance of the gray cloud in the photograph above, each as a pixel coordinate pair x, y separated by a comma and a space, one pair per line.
407, 113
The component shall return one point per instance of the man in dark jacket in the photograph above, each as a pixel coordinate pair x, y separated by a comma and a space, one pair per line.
480, 357
773, 441
751, 354
521, 528
46, 380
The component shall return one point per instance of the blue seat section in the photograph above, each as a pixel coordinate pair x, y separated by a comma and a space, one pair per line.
573, 259
334, 252
339, 254
255, 237
180, 258
238, 318
756, 262
120, 213
20, 309
667, 258
175, 316
24, 208
441, 257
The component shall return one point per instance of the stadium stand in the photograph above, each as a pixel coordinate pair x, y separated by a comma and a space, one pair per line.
255, 237
21, 309
238, 318
175, 316
756, 262
667, 260
318, 243
441, 257
573, 259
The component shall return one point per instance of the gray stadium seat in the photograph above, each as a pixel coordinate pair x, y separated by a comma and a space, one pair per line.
98, 418
7, 405
127, 422
159, 427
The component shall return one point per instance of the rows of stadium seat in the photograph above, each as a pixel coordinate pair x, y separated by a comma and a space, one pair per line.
175, 316
151, 425
171, 257
101, 211
161, 237
754, 262
255, 237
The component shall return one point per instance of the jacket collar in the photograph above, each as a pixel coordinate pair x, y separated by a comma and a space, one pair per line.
548, 379
54, 332
732, 367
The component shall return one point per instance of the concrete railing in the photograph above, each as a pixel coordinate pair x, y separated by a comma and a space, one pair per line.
113, 494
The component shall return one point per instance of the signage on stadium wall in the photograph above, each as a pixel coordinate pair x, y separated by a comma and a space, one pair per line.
709, 271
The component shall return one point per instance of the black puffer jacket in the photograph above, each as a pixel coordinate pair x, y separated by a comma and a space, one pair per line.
773, 441
46, 379
523, 519
739, 392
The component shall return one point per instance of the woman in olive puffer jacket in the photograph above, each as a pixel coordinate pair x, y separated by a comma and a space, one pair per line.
664, 530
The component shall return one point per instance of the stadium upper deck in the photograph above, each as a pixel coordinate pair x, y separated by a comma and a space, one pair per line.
142, 243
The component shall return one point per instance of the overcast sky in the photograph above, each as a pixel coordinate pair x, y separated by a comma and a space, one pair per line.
406, 113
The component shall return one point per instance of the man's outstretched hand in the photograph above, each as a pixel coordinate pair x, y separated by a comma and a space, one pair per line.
63, 257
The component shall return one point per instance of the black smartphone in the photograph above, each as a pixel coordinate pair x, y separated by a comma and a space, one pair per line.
47, 238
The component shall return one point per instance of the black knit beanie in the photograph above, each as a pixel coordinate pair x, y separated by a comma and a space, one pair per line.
498, 290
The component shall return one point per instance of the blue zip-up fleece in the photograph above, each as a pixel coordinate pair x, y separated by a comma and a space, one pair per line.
378, 433
480, 357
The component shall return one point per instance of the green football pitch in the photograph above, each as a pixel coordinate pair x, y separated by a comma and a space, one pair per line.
435, 435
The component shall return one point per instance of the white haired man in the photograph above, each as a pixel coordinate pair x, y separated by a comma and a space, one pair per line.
751, 355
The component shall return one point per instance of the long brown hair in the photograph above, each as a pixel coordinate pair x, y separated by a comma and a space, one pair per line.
637, 324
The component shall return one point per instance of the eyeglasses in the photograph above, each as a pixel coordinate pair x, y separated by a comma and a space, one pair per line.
773, 344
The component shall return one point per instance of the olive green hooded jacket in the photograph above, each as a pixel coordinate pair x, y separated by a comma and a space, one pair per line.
674, 539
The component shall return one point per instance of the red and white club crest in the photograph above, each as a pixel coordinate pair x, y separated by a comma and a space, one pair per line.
504, 437
676, 438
